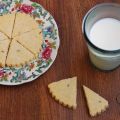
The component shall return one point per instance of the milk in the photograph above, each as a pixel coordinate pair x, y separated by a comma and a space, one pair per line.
105, 34
101, 29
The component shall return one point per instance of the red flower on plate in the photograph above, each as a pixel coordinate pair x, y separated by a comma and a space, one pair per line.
26, 8
1, 73
47, 53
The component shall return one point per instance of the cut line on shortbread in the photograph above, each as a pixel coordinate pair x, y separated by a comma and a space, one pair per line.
4, 46
23, 55
96, 103
26, 21
65, 91
22, 31
31, 41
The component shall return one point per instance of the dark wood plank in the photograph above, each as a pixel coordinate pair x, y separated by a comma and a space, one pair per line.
32, 101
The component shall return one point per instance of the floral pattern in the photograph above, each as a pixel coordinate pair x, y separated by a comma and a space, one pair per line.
26, 8
32, 70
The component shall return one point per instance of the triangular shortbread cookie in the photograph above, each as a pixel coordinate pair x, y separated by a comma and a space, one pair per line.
18, 55
95, 102
65, 91
31, 40
24, 23
4, 45
7, 23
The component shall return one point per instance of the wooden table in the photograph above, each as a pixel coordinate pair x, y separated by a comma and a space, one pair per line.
32, 101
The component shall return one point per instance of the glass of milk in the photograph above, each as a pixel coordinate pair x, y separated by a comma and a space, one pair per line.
101, 28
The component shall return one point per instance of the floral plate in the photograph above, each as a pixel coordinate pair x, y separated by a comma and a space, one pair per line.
31, 71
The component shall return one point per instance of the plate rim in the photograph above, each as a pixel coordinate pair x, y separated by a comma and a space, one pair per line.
8, 83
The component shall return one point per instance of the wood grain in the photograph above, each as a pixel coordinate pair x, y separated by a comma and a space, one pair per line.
32, 101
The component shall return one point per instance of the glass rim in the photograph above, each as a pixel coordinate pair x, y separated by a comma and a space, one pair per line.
84, 30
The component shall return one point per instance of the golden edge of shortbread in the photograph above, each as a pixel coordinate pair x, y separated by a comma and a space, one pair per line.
1, 65
61, 102
100, 112
37, 54
19, 65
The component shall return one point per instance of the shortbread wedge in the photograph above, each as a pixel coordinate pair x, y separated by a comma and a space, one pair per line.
7, 23
4, 45
18, 55
65, 91
31, 40
95, 102
24, 23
